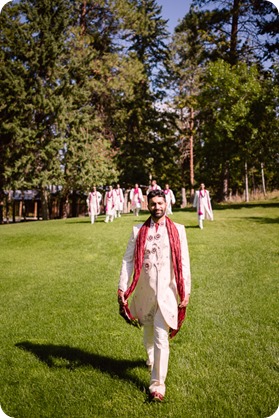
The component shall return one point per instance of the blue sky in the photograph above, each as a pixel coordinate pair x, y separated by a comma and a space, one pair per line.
174, 10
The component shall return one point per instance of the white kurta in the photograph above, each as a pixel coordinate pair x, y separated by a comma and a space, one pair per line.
156, 285
136, 198
118, 199
170, 200
203, 204
109, 203
94, 202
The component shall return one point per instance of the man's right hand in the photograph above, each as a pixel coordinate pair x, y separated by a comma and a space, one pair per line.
121, 299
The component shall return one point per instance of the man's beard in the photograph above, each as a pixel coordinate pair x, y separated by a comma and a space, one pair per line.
157, 214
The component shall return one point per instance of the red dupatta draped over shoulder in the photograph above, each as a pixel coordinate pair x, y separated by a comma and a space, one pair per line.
176, 261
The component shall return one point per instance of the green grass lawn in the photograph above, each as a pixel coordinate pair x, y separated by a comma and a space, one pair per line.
66, 352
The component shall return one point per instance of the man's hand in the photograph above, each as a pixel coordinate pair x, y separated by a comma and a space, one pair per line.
184, 302
121, 299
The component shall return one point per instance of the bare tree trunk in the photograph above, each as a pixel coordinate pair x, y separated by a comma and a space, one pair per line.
2, 197
74, 204
183, 196
8, 204
44, 200
14, 208
64, 206
263, 179
226, 181
246, 184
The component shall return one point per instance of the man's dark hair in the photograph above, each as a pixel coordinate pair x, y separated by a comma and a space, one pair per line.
156, 193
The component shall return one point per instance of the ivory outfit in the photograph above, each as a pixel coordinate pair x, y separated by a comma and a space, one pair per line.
109, 205
94, 200
170, 200
155, 298
136, 198
203, 204
119, 202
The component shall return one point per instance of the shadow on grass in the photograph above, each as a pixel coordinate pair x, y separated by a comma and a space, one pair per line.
71, 358
263, 220
250, 205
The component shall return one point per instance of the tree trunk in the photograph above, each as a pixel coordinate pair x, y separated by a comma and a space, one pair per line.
183, 196
263, 179
82, 21
74, 204
246, 184
44, 200
226, 181
2, 197
64, 206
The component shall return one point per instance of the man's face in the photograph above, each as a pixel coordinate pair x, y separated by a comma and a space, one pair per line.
157, 207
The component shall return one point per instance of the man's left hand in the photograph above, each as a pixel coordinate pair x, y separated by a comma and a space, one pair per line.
184, 302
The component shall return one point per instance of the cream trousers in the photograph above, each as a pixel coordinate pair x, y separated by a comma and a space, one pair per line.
156, 342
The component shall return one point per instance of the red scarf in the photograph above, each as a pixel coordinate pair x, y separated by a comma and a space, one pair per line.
176, 261
118, 192
136, 192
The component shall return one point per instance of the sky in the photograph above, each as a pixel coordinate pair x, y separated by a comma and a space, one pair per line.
173, 10
177, 9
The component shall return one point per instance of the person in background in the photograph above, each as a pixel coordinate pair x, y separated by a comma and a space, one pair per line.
94, 201
119, 201
157, 253
136, 199
109, 203
153, 186
203, 204
170, 199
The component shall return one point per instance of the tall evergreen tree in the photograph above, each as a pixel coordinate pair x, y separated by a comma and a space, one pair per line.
239, 29
32, 41
143, 139
187, 58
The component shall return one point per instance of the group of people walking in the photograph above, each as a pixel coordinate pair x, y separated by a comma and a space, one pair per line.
114, 202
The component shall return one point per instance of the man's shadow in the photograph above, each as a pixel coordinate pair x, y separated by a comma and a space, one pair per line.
64, 356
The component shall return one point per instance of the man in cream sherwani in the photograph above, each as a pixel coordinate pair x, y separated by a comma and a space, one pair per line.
93, 201
155, 297
202, 202
136, 198
119, 201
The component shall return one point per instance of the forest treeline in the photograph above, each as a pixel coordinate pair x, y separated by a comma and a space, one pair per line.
97, 92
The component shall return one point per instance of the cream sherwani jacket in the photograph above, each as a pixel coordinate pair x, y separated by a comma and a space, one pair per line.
156, 285
203, 204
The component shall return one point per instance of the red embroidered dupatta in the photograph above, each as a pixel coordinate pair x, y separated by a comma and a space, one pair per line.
177, 267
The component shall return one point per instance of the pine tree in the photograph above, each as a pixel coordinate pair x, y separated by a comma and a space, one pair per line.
239, 30
34, 35
141, 142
